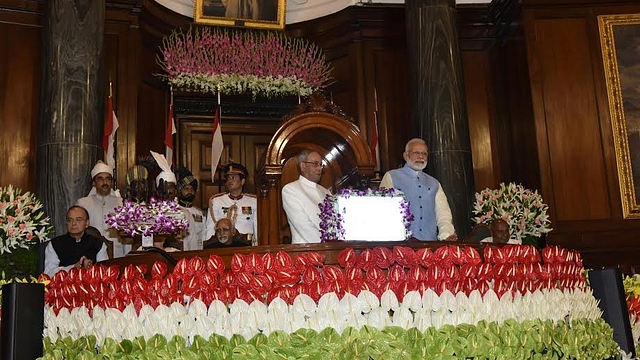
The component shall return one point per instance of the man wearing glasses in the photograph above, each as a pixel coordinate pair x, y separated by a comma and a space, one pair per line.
432, 219
76, 248
300, 199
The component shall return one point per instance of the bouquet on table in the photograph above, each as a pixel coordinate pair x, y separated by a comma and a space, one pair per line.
153, 218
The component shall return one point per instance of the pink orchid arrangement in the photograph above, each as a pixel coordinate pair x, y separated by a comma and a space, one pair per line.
156, 217
231, 62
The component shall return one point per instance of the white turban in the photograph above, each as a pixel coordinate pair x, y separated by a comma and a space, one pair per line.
167, 176
101, 167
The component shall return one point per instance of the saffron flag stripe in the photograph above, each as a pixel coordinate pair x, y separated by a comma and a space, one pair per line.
168, 137
108, 138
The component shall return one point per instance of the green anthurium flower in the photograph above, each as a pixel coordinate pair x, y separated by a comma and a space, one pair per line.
218, 340
125, 346
157, 341
199, 343
349, 334
237, 340
330, 335
258, 339
303, 337
279, 339
177, 343
245, 352
110, 346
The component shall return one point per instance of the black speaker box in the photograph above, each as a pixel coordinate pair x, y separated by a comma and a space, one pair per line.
608, 289
22, 321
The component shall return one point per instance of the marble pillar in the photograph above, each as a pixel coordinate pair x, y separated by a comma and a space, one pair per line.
71, 112
438, 104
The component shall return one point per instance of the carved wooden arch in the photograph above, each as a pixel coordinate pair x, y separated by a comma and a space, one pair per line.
343, 147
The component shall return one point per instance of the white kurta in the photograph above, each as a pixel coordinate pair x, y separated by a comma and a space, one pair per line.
246, 215
300, 201
98, 207
195, 233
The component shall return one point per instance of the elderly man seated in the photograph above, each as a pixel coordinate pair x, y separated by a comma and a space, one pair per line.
76, 248
226, 236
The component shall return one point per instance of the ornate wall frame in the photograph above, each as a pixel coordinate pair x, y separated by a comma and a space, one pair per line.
620, 42
256, 14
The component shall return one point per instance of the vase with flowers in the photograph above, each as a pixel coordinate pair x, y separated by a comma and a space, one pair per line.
23, 224
523, 209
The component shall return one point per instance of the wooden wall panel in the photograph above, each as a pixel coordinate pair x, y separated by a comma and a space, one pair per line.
20, 76
572, 123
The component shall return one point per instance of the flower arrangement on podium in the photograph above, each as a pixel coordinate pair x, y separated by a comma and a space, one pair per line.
157, 217
523, 209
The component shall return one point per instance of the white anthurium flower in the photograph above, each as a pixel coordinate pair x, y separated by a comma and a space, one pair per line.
413, 301
356, 319
186, 326
178, 310
389, 301
203, 327
304, 304
369, 300
328, 302
349, 304
278, 306
449, 301
258, 311
475, 299
463, 301
316, 321
197, 308
379, 318
298, 321
239, 306
422, 320
438, 318
403, 317
431, 300
217, 308
465, 317
337, 321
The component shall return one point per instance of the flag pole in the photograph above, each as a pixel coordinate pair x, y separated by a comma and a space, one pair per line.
115, 145
375, 133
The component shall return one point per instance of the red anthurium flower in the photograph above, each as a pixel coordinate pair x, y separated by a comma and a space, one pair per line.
260, 284
347, 258
485, 271
473, 256
243, 279
397, 274
425, 257
469, 271
191, 285
283, 260
269, 261
196, 265
366, 259
227, 279
209, 280
220, 294
376, 275
451, 272
202, 296
316, 259
417, 274
159, 270
435, 273
331, 272
405, 256
310, 274
287, 276
181, 269
469, 284
383, 257
316, 290
458, 255
302, 261
215, 264
239, 263
112, 273
256, 263
354, 273
354, 286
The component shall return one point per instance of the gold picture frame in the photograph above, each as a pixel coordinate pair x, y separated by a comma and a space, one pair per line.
256, 14
620, 42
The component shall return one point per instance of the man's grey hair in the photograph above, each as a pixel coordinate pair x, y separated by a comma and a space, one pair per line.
303, 156
414, 141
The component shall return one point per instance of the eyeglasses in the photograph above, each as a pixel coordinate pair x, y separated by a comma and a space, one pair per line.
314, 163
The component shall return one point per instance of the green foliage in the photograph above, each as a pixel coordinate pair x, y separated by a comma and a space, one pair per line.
531, 339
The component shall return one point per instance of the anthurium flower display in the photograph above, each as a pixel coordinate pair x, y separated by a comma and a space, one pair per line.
307, 309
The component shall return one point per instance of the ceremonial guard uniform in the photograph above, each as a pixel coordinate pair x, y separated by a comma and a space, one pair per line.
187, 186
241, 209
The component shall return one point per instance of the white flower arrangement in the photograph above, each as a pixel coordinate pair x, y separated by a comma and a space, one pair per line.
23, 221
523, 209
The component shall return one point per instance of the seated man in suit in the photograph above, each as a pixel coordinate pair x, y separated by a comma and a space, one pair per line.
500, 233
76, 248
226, 236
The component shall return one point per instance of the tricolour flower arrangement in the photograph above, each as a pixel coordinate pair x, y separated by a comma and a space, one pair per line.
23, 221
512, 302
230, 62
523, 209
632, 293
332, 216
153, 218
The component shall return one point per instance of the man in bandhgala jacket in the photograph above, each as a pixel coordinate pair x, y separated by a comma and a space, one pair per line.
76, 248
300, 199
241, 208
187, 187
432, 219
102, 200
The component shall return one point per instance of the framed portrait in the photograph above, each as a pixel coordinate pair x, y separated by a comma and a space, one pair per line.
257, 14
620, 41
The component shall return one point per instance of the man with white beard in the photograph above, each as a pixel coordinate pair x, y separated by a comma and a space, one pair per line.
432, 219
